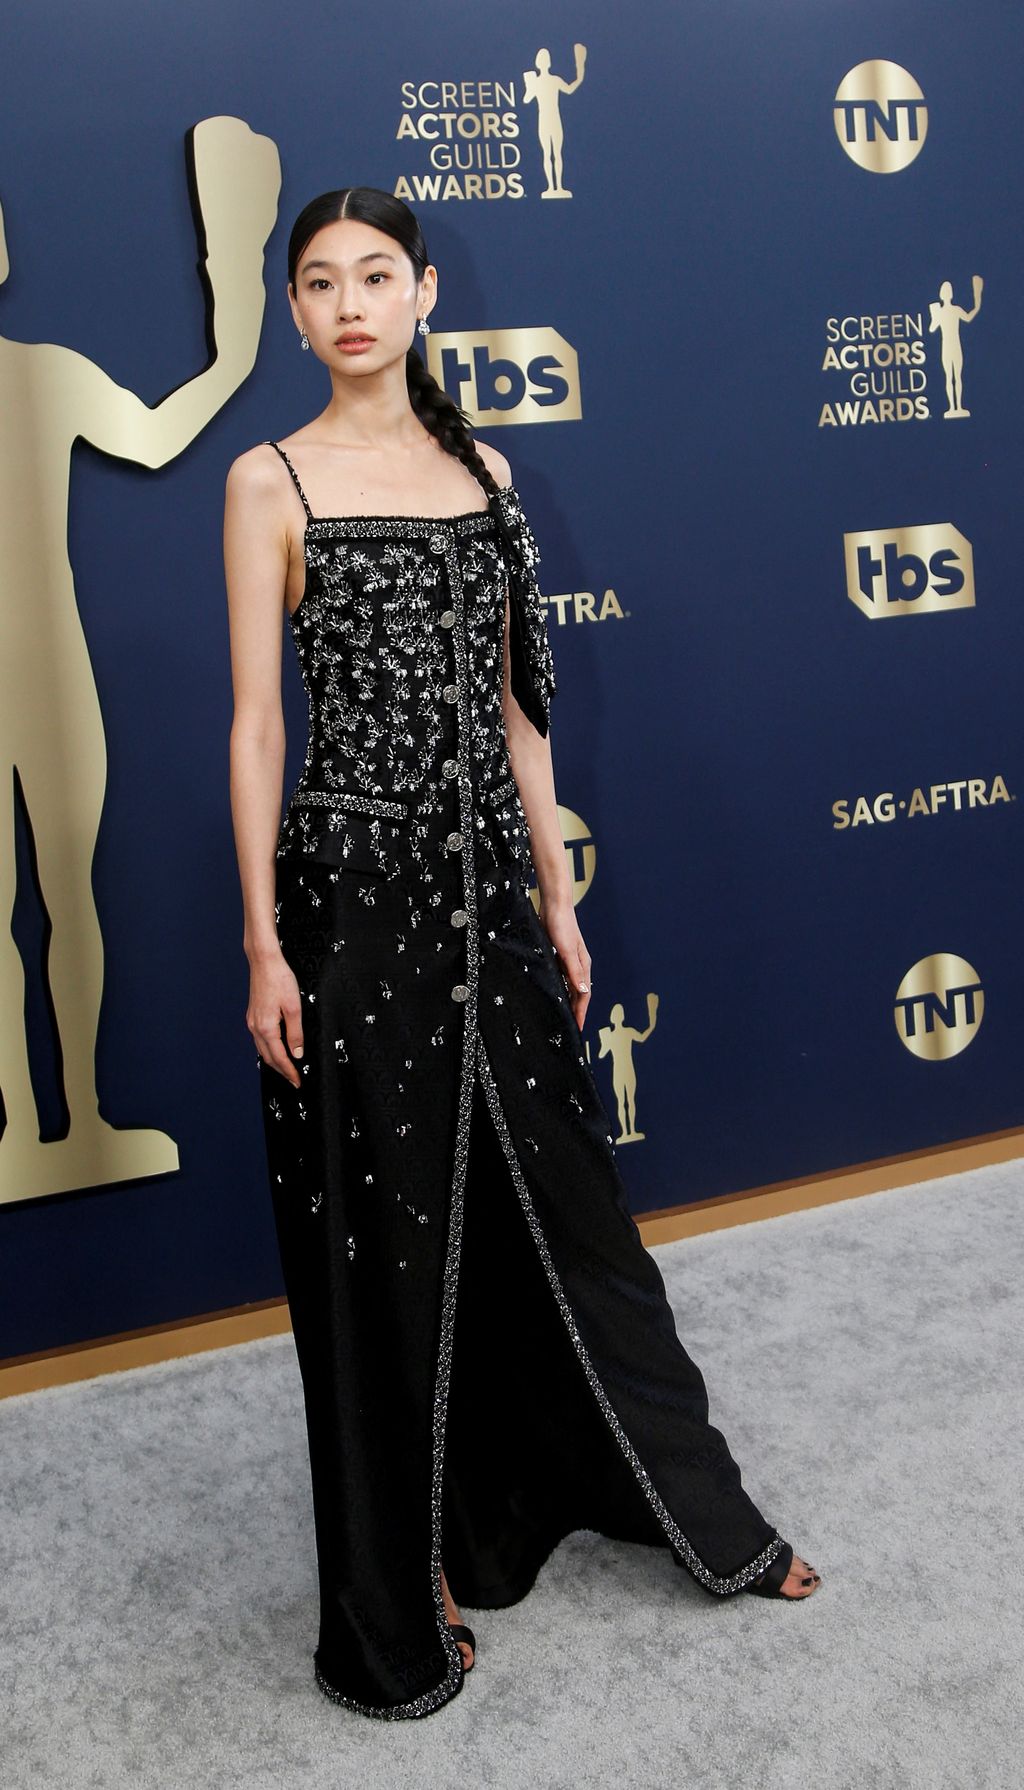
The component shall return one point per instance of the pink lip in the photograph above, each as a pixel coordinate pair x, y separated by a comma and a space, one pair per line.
354, 344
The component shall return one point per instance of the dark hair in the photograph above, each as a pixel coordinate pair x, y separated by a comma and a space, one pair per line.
371, 205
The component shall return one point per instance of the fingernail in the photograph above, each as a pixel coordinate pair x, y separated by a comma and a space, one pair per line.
297, 1052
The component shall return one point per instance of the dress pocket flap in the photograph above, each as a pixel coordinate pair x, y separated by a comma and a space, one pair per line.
352, 801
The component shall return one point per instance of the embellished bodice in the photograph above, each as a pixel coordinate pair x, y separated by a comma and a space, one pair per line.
399, 635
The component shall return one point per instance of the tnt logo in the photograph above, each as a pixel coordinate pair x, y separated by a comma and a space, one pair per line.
508, 375
909, 571
880, 117
939, 1007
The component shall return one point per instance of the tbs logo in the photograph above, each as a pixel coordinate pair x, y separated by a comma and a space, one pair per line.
508, 375
909, 571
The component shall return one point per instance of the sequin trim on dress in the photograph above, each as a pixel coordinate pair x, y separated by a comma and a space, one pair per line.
690, 1558
470, 933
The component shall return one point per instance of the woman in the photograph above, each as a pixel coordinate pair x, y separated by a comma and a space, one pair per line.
487, 1353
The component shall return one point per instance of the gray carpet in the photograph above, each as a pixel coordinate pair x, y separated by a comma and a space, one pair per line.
864, 1362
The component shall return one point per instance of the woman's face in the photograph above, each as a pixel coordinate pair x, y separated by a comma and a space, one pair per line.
354, 279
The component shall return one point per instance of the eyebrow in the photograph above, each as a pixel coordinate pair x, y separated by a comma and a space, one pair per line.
377, 255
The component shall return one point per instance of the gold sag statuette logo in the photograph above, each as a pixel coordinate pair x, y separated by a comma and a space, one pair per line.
880, 117
946, 317
50, 716
940, 1004
926, 799
472, 128
885, 358
581, 853
508, 375
909, 571
618, 1041
544, 90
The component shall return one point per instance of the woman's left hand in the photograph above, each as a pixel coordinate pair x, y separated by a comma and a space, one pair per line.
573, 957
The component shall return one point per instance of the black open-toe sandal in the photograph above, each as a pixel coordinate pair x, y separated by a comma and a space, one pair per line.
774, 1577
462, 1632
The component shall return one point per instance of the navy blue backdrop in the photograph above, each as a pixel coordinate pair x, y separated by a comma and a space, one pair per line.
715, 225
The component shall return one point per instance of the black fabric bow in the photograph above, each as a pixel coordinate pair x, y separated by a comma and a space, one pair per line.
521, 675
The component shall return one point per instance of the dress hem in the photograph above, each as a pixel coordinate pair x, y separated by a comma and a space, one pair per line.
720, 1585
425, 1704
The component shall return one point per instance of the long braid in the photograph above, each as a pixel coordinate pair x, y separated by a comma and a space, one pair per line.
439, 413
529, 645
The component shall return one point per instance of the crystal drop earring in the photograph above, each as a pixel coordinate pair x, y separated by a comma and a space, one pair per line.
303, 340
423, 327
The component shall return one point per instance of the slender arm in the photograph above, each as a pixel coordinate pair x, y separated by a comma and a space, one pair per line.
256, 566
257, 551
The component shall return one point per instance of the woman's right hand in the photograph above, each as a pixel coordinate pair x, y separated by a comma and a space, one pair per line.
273, 996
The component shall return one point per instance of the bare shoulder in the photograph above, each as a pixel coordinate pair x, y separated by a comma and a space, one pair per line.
256, 474
496, 464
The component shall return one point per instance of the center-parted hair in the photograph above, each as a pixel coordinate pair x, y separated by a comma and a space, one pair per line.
436, 410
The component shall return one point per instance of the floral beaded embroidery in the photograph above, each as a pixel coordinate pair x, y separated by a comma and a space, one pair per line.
374, 637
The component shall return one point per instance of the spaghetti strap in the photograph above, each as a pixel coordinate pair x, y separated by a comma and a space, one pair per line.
295, 477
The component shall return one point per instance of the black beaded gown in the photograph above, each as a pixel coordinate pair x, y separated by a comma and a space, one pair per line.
488, 1357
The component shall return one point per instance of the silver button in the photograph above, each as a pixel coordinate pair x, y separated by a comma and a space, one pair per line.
459, 917
460, 992
450, 768
450, 692
448, 618
454, 842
